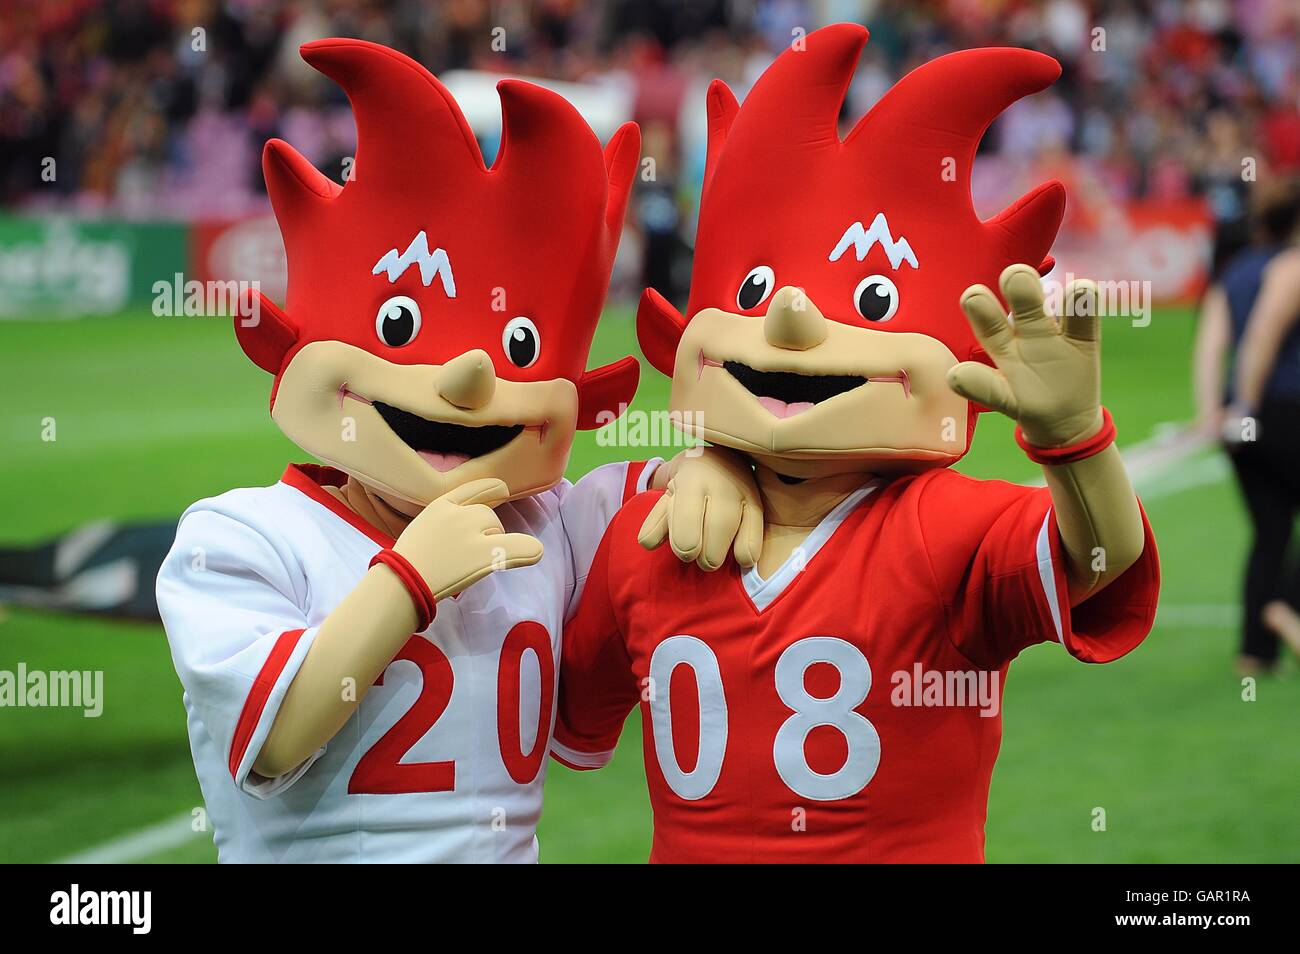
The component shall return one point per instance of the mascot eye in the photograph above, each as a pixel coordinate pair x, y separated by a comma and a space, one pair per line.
521, 342
398, 321
876, 298
758, 284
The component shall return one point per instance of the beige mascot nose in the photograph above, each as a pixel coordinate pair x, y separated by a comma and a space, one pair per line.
468, 380
793, 322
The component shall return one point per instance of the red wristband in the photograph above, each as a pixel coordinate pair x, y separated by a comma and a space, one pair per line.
425, 605
1071, 453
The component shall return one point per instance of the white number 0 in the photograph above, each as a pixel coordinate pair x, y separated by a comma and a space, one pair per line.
788, 750
668, 655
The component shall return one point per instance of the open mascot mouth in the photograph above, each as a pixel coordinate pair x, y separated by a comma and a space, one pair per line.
786, 393
442, 445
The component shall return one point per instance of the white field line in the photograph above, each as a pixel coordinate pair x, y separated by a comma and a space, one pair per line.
1198, 615
140, 844
1156, 468
1172, 461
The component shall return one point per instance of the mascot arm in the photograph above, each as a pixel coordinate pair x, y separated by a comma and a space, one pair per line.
1048, 379
1099, 519
454, 542
356, 642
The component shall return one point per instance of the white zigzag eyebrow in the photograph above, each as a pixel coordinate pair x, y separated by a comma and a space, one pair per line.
862, 240
431, 264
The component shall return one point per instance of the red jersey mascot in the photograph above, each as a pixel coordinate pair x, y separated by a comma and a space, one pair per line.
839, 700
432, 350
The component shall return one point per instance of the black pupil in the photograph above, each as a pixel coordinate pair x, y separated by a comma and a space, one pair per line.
874, 301
398, 326
752, 292
522, 346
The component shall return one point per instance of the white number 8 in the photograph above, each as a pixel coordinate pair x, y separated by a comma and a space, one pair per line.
836, 711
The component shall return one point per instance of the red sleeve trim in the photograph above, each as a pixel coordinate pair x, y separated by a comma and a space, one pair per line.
632, 482
570, 765
1113, 622
578, 759
254, 705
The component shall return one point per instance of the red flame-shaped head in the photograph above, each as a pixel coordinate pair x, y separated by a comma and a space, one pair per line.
422, 216
782, 189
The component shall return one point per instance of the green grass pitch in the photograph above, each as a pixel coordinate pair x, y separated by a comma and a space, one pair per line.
152, 414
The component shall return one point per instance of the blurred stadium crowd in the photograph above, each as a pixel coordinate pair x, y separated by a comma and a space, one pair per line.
159, 108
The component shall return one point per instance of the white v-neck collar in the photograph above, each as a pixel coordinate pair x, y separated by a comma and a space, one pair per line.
762, 592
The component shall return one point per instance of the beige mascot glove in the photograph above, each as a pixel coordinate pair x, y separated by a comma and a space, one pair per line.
710, 506
457, 540
1048, 379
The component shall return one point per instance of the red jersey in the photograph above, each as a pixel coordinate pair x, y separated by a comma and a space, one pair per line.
848, 707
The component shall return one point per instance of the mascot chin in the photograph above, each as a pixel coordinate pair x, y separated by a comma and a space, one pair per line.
368, 647
839, 700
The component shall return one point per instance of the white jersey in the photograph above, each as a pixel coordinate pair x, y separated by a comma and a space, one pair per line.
445, 757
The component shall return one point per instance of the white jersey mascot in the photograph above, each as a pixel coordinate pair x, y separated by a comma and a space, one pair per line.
368, 647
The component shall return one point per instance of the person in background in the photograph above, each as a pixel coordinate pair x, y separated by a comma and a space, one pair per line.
666, 258
1253, 313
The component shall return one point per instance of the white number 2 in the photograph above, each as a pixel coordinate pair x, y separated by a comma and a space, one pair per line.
788, 750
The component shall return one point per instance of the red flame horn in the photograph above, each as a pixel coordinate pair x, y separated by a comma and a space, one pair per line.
435, 133
965, 92
805, 87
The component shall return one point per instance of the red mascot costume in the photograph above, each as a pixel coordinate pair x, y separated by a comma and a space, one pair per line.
840, 700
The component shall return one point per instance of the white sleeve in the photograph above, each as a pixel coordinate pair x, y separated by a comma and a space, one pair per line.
588, 506
237, 634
